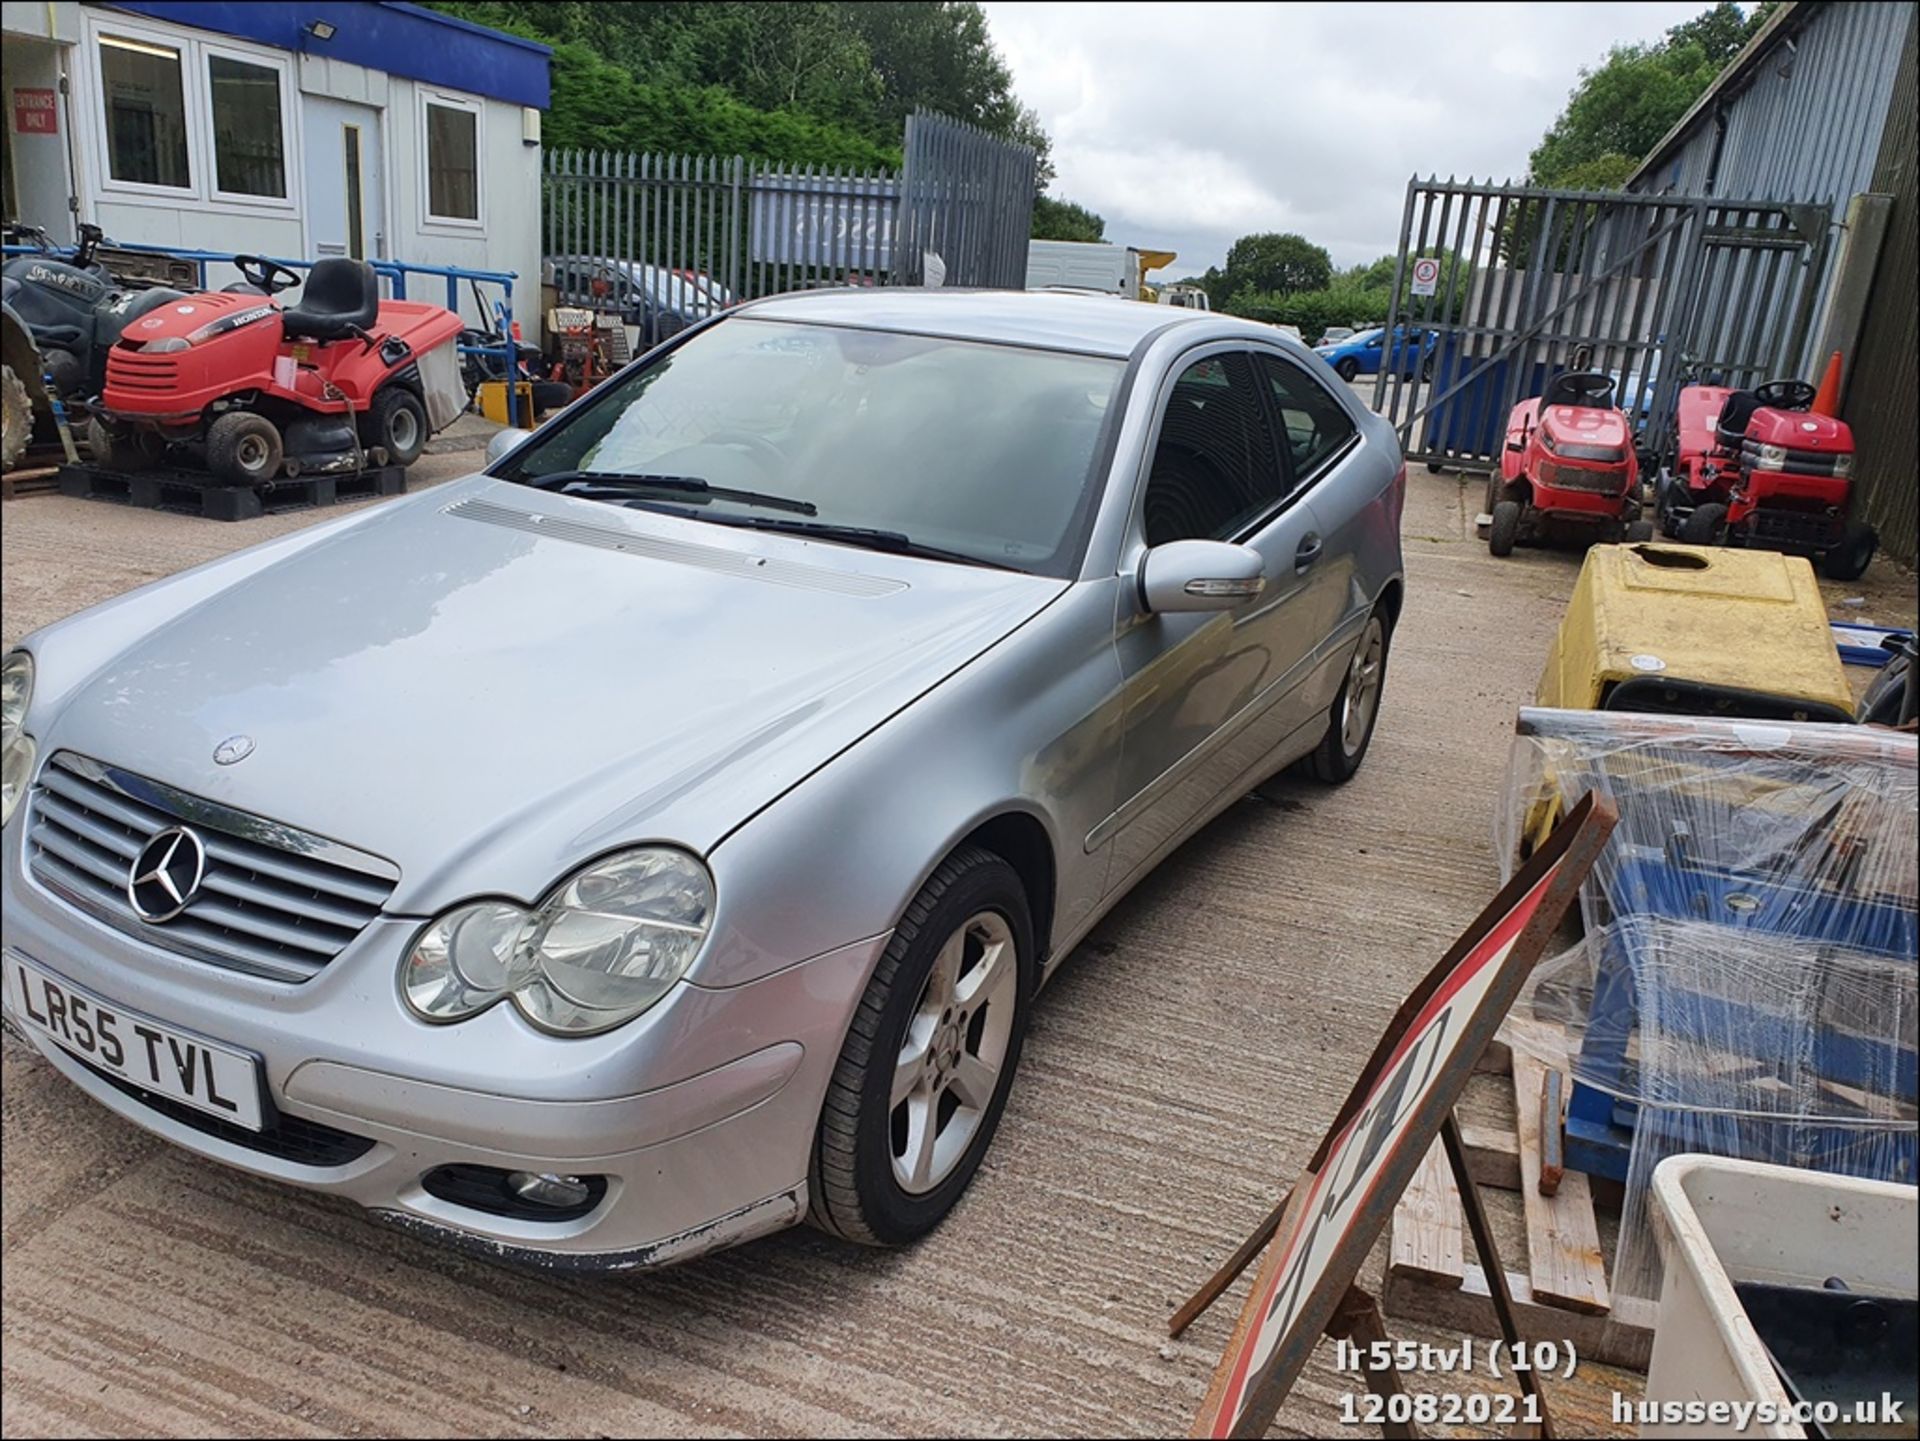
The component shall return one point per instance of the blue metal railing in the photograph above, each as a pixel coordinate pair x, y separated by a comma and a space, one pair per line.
395, 273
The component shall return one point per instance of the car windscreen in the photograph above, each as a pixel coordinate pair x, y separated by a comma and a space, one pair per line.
982, 450
1363, 336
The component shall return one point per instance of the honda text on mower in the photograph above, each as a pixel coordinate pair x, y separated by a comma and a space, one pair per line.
660, 839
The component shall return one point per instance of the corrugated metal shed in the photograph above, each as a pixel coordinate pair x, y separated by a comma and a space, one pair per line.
1886, 374
1804, 108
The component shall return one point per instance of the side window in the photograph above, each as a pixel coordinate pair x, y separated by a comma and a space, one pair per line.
1214, 469
1313, 425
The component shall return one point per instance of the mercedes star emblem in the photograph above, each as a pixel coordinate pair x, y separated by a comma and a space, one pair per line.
166, 875
233, 750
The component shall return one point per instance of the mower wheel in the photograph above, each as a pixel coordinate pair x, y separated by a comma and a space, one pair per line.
1347, 368
244, 448
1639, 531
1434, 467
16, 418
127, 451
551, 395
1849, 559
396, 422
1505, 529
1706, 526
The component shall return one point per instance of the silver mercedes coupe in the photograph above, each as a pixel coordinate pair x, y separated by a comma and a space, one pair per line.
660, 838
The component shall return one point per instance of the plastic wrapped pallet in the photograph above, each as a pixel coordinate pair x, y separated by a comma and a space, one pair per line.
1746, 982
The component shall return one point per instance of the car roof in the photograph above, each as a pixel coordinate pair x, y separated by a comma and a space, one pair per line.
1055, 320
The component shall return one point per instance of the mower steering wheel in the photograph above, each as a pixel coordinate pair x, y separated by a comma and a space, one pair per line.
265, 275
1785, 394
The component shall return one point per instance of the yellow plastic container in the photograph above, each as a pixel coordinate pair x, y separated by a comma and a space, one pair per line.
493, 402
1697, 630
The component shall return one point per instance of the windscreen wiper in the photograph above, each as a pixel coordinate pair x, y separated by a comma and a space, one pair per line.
893, 542
596, 483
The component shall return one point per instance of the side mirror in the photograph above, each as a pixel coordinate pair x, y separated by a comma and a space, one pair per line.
1189, 575
502, 441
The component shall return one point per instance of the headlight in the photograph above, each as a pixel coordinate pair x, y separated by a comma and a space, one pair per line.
1772, 457
1843, 464
166, 345
606, 944
16, 746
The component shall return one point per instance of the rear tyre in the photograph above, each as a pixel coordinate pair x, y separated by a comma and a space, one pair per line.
122, 450
1505, 530
397, 423
1346, 367
1356, 707
244, 448
16, 418
1706, 526
923, 1075
1849, 559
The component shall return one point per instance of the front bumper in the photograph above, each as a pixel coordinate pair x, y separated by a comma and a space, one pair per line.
700, 1115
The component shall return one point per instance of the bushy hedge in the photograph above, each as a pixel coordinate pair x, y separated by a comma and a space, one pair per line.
1314, 310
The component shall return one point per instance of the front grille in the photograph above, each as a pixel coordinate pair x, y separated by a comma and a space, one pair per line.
131, 370
1584, 478
1809, 529
273, 902
289, 1138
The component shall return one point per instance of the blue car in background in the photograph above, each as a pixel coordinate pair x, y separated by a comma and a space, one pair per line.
1363, 353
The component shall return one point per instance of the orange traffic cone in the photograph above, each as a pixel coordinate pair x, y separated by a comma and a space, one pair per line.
1826, 400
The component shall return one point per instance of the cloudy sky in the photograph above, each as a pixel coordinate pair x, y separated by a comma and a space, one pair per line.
1189, 125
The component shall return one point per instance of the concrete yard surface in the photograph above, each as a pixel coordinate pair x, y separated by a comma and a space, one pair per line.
1177, 1074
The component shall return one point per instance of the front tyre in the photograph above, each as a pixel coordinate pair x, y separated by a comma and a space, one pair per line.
1849, 559
924, 1072
1706, 526
1356, 707
397, 423
1504, 532
1346, 368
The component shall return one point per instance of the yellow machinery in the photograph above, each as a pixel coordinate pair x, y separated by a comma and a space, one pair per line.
1697, 630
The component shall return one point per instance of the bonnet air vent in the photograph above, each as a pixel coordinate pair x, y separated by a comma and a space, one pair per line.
678, 552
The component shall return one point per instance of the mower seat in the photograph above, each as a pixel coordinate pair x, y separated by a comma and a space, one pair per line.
341, 296
1731, 428
1592, 389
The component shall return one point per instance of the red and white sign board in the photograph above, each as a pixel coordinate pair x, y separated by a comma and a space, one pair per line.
1426, 276
36, 112
1389, 1122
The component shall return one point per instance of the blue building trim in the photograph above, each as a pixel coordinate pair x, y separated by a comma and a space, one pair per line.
399, 39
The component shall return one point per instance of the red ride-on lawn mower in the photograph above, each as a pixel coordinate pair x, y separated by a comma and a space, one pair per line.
343, 381
1757, 467
1568, 468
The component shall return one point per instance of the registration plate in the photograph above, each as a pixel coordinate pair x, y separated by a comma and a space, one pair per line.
189, 1069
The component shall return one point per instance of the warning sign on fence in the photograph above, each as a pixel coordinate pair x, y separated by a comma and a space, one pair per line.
1426, 276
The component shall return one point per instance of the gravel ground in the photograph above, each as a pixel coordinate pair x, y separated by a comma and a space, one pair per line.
1178, 1072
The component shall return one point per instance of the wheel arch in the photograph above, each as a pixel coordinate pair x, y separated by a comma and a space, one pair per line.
1019, 839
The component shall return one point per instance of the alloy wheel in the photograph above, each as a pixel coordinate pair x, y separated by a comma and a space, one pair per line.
1363, 687
951, 1057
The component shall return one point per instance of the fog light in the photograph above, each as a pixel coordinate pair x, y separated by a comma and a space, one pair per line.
546, 1189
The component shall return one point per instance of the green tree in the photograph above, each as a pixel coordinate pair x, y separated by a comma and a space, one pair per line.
1623, 107
1273, 264
1063, 220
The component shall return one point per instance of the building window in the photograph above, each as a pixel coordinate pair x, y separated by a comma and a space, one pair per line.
249, 157
453, 163
143, 86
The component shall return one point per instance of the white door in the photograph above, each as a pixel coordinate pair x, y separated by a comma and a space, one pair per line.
345, 185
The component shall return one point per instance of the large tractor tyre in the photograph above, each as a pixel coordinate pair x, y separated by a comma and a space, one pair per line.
1346, 368
16, 418
1505, 530
396, 422
924, 1072
126, 451
1706, 526
1849, 559
245, 448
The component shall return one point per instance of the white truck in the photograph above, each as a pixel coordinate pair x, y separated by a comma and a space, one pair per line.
1092, 265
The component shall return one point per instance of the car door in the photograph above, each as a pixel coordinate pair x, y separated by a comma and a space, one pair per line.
1206, 696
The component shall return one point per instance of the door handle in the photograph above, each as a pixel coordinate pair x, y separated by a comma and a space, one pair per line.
1308, 552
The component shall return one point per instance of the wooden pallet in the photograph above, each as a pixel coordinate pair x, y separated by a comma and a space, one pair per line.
1563, 1295
40, 480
